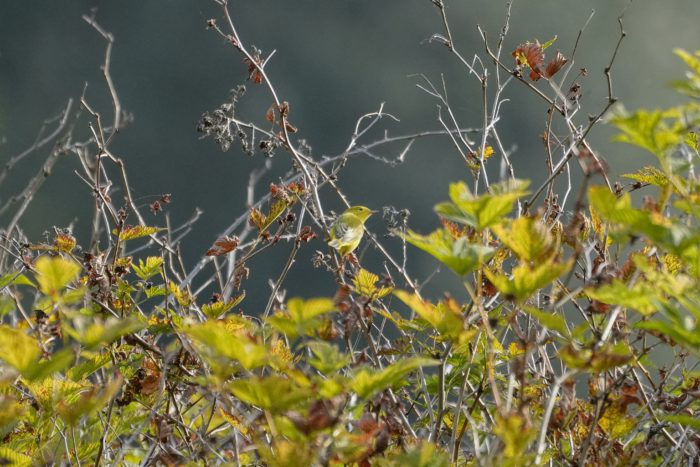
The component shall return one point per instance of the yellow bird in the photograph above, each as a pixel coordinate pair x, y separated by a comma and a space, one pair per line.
347, 230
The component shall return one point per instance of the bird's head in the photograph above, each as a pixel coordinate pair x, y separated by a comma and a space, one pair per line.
363, 212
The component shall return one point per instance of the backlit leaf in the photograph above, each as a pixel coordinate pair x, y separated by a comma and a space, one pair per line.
458, 254
53, 274
367, 382
138, 231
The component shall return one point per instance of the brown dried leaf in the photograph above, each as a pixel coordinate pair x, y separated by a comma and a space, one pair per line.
270, 114
257, 218
555, 65
223, 245
531, 55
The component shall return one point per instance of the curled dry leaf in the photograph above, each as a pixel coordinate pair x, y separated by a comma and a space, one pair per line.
223, 245
555, 65
531, 55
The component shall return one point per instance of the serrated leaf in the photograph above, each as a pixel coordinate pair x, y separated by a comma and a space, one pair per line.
597, 360
327, 358
45, 368
182, 296
458, 254
274, 393
88, 402
648, 129
301, 317
365, 284
138, 231
89, 364
445, 320
527, 279
148, 269
642, 296
219, 340
102, 333
54, 274
18, 349
216, 309
688, 338
154, 291
485, 210
14, 458
367, 382
650, 175
528, 238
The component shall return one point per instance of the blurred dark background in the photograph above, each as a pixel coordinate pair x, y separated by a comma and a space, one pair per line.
334, 61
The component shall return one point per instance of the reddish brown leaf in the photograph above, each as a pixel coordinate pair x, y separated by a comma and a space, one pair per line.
270, 114
223, 245
254, 73
306, 234
530, 54
555, 65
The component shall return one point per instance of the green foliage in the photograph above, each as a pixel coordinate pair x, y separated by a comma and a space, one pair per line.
548, 353
482, 211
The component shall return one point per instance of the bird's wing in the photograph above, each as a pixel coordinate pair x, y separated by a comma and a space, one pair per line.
343, 234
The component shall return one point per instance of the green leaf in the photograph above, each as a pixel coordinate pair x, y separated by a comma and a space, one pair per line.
443, 318
18, 349
596, 360
45, 368
691, 86
650, 175
274, 393
685, 420
549, 42
150, 268
219, 339
425, 454
688, 338
90, 363
485, 210
138, 231
217, 309
15, 278
155, 291
642, 296
14, 458
691, 139
327, 358
54, 274
548, 319
365, 284
527, 279
102, 333
301, 317
367, 382
648, 129
89, 402
457, 254
515, 433
528, 238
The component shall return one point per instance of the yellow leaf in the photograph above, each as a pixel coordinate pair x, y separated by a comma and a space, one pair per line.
53, 274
